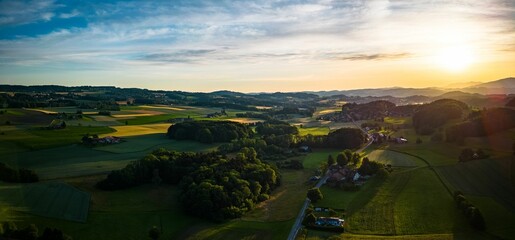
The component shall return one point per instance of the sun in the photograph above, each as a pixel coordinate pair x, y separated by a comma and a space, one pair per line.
455, 59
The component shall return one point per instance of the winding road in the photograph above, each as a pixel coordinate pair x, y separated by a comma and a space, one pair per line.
298, 221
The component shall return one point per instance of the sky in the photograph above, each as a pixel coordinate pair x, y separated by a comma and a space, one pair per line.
256, 46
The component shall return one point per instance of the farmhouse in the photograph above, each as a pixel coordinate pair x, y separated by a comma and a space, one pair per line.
329, 222
339, 174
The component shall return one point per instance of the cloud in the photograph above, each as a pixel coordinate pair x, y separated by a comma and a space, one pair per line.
237, 34
71, 14
16, 12
179, 56
375, 57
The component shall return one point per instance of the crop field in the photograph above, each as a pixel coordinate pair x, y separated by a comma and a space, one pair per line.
169, 112
136, 130
24, 139
26, 117
245, 120
326, 110
481, 178
313, 131
53, 200
403, 204
396, 159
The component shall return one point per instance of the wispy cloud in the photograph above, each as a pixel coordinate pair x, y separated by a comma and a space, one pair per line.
377, 56
18, 12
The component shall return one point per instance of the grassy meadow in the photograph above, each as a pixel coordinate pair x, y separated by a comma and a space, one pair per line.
51, 199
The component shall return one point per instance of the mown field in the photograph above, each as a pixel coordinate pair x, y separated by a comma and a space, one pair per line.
124, 214
51, 199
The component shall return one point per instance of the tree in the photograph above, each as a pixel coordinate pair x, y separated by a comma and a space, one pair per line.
310, 219
330, 160
419, 141
476, 219
342, 159
28, 233
154, 233
204, 135
9, 228
156, 179
314, 194
54, 234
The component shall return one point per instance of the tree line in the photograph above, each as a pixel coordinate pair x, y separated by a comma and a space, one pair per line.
212, 186
22, 175
9, 230
482, 123
209, 131
434, 115
471, 212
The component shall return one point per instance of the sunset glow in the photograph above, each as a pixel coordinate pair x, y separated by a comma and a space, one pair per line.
250, 46
456, 59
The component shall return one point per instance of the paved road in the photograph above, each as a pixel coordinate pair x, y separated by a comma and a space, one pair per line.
298, 221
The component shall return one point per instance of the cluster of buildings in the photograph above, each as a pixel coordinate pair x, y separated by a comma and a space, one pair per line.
104, 140
339, 174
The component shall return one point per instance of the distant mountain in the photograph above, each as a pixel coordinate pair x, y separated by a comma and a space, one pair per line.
501, 83
462, 84
501, 86
377, 92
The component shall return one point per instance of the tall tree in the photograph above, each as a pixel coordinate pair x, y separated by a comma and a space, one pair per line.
314, 194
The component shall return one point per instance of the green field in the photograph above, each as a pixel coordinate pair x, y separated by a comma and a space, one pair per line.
52, 199
155, 141
136, 130
396, 159
28, 139
500, 221
239, 229
124, 214
338, 199
78, 160
303, 131
403, 204
482, 178
286, 200
170, 112
313, 160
